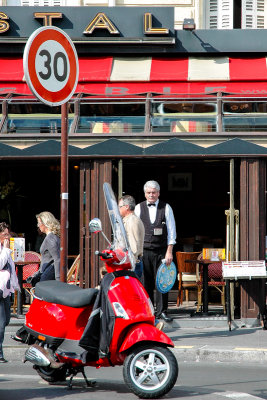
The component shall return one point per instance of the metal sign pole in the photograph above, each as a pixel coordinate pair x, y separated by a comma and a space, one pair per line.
54, 85
64, 194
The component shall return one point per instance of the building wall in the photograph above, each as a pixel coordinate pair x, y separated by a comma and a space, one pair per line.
208, 14
183, 8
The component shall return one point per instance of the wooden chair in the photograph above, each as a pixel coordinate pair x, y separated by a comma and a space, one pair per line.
186, 274
73, 272
28, 270
215, 279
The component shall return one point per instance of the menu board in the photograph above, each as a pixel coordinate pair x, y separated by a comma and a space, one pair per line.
213, 254
244, 269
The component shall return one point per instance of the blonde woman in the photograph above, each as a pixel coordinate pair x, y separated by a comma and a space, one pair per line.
50, 258
50, 248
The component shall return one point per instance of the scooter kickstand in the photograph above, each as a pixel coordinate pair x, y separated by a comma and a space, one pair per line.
70, 381
91, 383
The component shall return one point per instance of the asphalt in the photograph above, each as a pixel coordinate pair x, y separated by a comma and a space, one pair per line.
205, 340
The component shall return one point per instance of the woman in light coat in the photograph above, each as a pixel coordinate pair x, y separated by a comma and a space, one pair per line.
8, 282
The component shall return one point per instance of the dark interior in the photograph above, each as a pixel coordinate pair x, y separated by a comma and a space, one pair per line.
197, 190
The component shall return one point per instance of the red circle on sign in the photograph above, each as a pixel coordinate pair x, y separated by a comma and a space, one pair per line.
55, 34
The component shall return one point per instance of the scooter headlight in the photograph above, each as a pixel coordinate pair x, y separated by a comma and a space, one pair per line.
119, 311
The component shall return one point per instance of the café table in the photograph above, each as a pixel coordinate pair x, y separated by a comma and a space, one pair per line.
19, 266
205, 280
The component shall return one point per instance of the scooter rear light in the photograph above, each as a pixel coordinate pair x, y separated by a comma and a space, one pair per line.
40, 337
119, 311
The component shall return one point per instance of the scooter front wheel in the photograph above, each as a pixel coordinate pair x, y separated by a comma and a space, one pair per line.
150, 372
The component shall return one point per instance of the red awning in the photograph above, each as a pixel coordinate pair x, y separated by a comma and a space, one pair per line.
125, 76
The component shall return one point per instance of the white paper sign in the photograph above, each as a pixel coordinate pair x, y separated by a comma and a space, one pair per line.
244, 269
17, 245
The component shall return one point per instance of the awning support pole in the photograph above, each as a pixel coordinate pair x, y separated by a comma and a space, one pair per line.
219, 112
148, 114
232, 242
120, 171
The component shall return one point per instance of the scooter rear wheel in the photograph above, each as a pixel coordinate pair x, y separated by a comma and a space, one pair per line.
50, 374
150, 372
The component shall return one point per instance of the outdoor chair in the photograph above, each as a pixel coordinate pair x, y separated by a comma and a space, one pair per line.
215, 279
73, 272
186, 274
28, 270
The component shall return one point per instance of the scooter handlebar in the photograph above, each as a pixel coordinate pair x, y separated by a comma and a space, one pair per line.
105, 256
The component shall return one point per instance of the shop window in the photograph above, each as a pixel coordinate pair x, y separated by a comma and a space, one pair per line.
35, 118
235, 14
123, 117
245, 116
184, 117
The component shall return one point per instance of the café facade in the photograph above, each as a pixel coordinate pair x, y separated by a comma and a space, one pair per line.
187, 108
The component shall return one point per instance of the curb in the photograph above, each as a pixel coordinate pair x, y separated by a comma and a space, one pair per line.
220, 355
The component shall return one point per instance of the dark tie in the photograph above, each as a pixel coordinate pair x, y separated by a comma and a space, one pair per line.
151, 205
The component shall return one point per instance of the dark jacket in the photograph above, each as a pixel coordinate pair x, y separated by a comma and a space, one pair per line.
98, 332
152, 240
50, 253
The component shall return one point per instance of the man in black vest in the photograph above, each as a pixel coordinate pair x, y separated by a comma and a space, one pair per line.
160, 236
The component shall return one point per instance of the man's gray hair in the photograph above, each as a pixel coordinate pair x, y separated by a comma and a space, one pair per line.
152, 185
128, 201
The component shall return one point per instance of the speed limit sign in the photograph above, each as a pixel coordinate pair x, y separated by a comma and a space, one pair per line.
50, 65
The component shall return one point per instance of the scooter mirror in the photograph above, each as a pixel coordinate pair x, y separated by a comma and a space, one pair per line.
95, 225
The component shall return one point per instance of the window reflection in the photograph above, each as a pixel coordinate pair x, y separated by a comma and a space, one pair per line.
36, 117
246, 116
185, 117
132, 115
112, 117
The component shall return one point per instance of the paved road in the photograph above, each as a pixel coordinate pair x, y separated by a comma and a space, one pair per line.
197, 381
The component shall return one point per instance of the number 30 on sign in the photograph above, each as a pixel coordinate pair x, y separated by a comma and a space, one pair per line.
51, 65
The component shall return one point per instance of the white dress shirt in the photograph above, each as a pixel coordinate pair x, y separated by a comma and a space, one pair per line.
170, 221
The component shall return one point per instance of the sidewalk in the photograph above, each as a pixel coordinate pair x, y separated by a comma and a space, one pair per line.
191, 344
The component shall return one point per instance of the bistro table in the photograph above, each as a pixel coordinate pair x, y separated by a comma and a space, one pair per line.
19, 265
205, 283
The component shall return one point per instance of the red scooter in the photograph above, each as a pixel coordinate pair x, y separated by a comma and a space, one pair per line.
70, 328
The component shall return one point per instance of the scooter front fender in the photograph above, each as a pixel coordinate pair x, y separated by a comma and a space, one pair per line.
144, 333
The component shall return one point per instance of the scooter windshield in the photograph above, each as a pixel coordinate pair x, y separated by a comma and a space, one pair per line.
120, 241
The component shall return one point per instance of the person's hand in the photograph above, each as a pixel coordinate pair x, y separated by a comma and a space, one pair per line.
6, 243
168, 257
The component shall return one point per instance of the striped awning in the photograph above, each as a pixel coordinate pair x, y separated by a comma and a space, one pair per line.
106, 75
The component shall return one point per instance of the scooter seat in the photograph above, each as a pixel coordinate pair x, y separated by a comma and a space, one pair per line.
65, 294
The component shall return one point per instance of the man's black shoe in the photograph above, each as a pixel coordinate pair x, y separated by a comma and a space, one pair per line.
3, 360
166, 317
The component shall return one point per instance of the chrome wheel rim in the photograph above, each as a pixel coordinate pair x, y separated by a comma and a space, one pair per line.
149, 369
